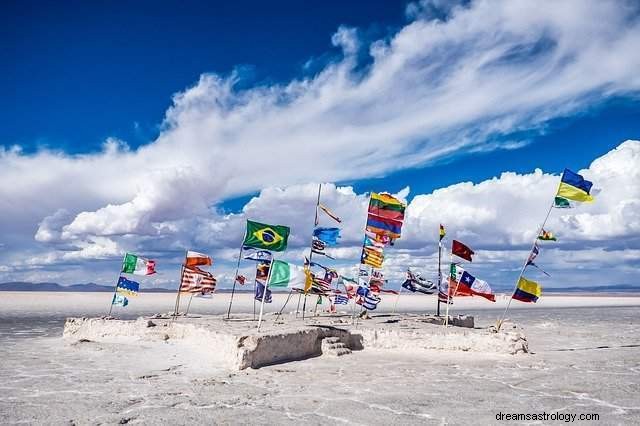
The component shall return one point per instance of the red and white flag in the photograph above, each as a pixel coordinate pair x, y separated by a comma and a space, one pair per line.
197, 259
195, 280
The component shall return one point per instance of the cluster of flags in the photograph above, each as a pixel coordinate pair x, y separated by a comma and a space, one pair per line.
133, 265
385, 217
572, 187
460, 281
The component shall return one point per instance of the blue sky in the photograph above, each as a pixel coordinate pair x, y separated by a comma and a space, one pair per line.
122, 112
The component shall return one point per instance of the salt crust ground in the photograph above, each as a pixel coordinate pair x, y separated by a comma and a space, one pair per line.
585, 358
237, 344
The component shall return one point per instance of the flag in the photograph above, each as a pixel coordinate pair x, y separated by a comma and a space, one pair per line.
329, 236
128, 287
534, 253
574, 187
194, 258
250, 253
241, 279
371, 241
370, 301
285, 274
442, 232
330, 213
262, 272
461, 250
385, 206
119, 300
476, 287
263, 236
341, 300
561, 203
547, 236
260, 288
371, 257
415, 283
308, 279
443, 290
318, 247
527, 291
136, 265
384, 226
196, 280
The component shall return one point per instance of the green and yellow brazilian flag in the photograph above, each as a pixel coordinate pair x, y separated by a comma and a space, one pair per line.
269, 237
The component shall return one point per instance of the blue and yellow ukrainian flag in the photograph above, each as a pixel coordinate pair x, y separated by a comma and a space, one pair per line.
527, 291
574, 187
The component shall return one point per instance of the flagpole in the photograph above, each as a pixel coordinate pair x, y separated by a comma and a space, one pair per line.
446, 319
283, 306
235, 276
524, 266
439, 275
397, 298
177, 308
315, 223
188, 305
264, 293
115, 287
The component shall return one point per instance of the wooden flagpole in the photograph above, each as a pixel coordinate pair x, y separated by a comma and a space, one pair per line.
283, 306
235, 276
315, 223
524, 266
177, 307
264, 293
397, 298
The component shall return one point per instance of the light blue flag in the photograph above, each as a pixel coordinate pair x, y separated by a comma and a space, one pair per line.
327, 235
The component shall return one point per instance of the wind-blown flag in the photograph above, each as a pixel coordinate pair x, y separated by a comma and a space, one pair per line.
285, 274
546, 236
194, 258
137, 265
574, 187
119, 300
262, 272
260, 288
370, 301
329, 236
341, 300
128, 287
329, 213
442, 232
384, 226
386, 206
461, 250
241, 279
475, 287
415, 283
443, 290
527, 291
263, 236
371, 257
561, 203
371, 241
318, 247
250, 253
196, 280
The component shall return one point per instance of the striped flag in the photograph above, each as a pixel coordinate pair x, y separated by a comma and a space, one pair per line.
196, 280
341, 300
371, 257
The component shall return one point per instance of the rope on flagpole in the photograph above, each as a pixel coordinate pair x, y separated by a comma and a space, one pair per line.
524, 266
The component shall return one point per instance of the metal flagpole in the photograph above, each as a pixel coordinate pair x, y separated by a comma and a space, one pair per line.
264, 293
115, 287
235, 277
397, 298
298, 306
188, 305
439, 274
315, 223
175, 312
524, 266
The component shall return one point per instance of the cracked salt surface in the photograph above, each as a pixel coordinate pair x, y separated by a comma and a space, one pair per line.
585, 360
